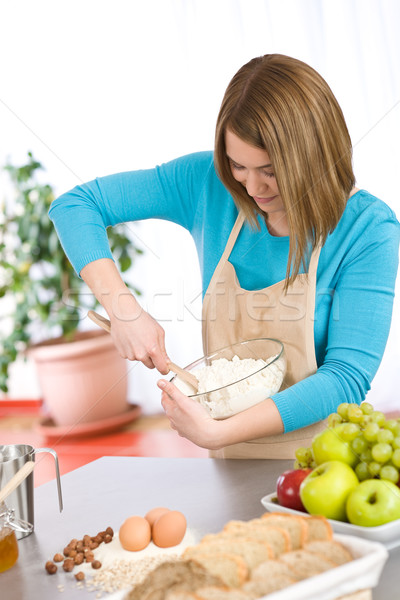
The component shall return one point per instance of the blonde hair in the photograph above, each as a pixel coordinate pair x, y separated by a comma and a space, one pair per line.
283, 106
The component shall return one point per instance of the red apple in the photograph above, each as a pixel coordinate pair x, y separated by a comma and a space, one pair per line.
288, 488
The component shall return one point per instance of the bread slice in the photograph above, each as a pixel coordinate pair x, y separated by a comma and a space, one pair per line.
330, 549
261, 587
270, 569
295, 525
253, 551
185, 575
229, 568
318, 528
218, 593
305, 564
277, 537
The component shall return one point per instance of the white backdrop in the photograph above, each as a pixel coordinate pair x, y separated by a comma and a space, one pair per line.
94, 87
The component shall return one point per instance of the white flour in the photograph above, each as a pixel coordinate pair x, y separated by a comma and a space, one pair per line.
222, 403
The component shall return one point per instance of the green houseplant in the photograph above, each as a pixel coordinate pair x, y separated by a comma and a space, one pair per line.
41, 296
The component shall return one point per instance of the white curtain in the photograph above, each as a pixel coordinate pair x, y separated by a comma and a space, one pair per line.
97, 87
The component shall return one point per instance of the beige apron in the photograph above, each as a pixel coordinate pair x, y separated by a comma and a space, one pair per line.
232, 314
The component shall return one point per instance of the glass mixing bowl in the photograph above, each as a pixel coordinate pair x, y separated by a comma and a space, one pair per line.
237, 377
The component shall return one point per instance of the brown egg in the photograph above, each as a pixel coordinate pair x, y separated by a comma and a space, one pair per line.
135, 534
169, 529
154, 513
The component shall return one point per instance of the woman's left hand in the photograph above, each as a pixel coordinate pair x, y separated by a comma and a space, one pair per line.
188, 417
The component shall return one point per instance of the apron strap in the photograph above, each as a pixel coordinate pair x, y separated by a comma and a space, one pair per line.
233, 237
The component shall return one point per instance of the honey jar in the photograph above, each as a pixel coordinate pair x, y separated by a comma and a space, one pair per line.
8, 540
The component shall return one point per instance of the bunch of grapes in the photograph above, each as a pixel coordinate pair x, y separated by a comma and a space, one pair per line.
374, 439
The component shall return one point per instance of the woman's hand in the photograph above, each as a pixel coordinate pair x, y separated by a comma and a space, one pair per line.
192, 421
135, 333
138, 336
189, 418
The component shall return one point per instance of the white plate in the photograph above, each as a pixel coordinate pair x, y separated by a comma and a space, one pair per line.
361, 573
388, 534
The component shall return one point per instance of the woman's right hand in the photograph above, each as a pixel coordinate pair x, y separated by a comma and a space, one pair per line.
138, 336
135, 333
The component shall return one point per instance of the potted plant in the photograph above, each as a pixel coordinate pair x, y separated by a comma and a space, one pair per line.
42, 302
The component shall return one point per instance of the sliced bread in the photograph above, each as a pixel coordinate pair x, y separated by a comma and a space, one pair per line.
318, 528
185, 575
305, 564
261, 587
270, 569
229, 568
295, 525
330, 549
277, 537
253, 551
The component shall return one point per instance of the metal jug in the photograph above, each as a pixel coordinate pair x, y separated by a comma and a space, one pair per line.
12, 458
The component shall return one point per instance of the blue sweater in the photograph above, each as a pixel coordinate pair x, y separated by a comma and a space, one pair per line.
355, 279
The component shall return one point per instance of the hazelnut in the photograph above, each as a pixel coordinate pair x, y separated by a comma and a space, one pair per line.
66, 551
58, 557
107, 538
87, 540
80, 576
68, 564
72, 553
78, 560
89, 556
79, 546
50, 567
93, 545
73, 544
110, 531
96, 564
98, 538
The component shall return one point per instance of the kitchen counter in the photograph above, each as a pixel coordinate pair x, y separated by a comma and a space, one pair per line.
105, 492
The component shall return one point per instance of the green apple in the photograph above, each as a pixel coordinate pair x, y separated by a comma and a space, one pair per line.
328, 445
373, 502
325, 490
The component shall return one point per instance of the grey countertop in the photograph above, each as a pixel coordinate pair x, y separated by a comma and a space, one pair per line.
107, 491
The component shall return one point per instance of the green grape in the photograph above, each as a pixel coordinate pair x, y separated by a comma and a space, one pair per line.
354, 413
366, 455
313, 464
385, 436
371, 431
374, 468
381, 452
302, 454
342, 410
397, 429
396, 458
362, 471
396, 442
334, 419
367, 408
297, 465
309, 455
349, 432
359, 444
390, 473
365, 420
391, 424
378, 417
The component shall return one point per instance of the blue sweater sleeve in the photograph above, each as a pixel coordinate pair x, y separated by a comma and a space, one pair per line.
170, 191
357, 326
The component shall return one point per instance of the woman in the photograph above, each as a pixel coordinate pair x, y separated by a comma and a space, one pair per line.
285, 240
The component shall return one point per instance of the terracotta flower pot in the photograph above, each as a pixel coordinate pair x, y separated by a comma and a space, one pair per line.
81, 381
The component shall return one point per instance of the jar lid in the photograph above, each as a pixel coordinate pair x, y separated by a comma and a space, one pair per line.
7, 519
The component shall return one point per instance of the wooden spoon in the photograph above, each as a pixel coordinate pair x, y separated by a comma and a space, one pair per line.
16, 480
183, 374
